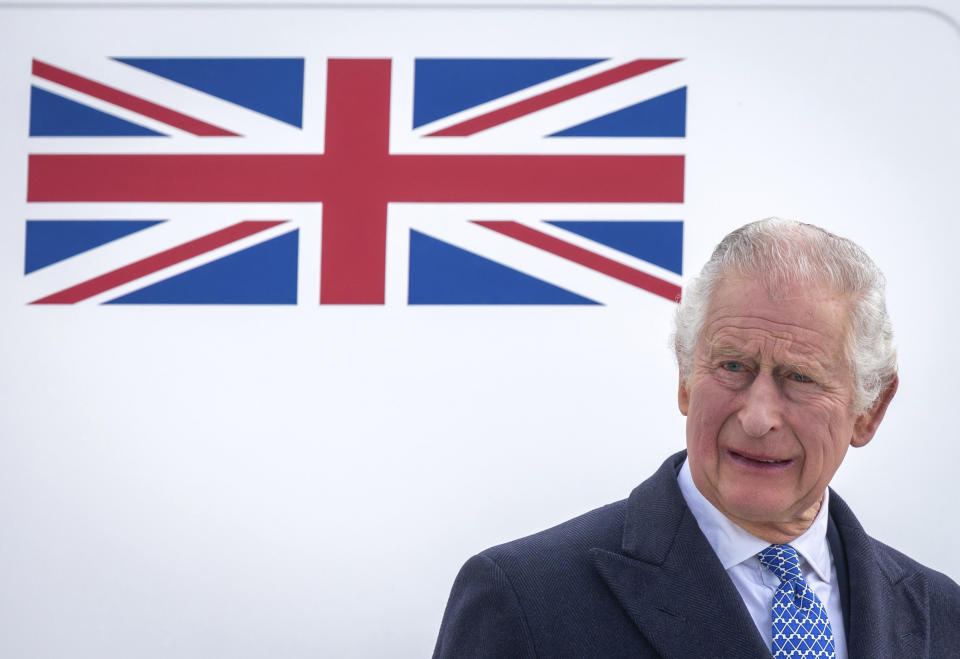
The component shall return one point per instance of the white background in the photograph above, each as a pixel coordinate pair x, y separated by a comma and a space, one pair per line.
306, 481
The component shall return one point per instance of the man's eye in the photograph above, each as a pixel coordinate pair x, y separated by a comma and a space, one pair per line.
799, 377
734, 367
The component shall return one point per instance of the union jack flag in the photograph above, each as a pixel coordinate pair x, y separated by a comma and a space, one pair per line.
246, 180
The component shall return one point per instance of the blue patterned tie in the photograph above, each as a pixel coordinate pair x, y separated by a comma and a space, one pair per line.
801, 628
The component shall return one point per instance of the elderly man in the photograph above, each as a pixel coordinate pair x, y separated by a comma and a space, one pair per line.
735, 547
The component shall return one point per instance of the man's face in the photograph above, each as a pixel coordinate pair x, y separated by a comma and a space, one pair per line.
769, 402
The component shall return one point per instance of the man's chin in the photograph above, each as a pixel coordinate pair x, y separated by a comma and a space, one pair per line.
748, 509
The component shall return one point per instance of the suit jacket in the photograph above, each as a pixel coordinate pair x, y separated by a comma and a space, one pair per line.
637, 578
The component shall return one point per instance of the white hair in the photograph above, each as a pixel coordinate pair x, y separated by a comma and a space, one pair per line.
782, 252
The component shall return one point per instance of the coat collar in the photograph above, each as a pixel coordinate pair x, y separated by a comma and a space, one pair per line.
889, 605
669, 581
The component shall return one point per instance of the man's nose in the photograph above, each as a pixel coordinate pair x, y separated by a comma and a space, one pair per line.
761, 407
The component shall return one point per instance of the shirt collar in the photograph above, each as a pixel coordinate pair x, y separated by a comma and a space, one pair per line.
733, 545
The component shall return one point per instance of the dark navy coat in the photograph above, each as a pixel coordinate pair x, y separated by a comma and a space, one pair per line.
637, 578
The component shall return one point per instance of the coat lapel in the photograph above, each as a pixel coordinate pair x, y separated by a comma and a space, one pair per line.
889, 606
669, 581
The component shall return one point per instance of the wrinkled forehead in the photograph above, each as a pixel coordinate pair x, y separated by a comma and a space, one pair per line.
786, 285
786, 282
795, 319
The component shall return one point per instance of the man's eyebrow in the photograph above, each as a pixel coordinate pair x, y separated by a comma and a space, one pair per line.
725, 350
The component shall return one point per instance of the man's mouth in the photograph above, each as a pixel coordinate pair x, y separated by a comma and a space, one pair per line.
762, 461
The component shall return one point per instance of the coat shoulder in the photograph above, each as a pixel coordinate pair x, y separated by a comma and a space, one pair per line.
540, 596
653, 510
544, 596
565, 542
944, 591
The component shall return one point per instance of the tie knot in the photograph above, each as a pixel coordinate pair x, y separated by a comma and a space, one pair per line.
782, 560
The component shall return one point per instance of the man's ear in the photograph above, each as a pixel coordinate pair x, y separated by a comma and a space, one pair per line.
683, 397
867, 423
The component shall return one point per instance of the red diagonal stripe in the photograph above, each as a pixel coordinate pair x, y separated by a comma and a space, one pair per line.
552, 97
584, 257
157, 262
128, 101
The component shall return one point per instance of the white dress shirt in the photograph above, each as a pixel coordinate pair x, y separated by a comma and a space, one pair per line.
738, 551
